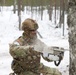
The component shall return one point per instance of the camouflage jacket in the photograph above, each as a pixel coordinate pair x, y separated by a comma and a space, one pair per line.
28, 58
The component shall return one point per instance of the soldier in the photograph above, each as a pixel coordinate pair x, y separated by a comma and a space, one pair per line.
26, 52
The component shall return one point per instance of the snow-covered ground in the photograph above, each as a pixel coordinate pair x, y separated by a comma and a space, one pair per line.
51, 36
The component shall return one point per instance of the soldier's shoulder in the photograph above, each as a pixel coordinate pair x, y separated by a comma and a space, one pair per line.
19, 40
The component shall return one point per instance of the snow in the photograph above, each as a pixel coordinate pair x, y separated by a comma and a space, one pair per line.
51, 36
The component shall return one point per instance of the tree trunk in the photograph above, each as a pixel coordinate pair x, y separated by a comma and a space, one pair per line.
14, 2
72, 35
19, 13
63, 15
55, 12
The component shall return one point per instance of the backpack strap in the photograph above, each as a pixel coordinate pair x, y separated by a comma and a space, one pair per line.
19, 41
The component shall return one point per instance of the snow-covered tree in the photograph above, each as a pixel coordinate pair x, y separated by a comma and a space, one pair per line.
72, 35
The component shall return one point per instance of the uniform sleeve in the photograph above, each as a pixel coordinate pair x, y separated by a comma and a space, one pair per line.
45, 50
17, 50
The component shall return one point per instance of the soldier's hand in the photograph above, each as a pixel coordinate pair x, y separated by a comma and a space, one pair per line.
28, 47
31, 47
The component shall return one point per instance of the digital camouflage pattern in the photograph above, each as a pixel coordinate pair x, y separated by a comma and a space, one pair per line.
26, 57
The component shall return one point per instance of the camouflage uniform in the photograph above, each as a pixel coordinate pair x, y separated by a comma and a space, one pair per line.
26, 60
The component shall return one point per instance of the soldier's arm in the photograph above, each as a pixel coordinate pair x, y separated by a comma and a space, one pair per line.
44, 49
48, 52
18, 51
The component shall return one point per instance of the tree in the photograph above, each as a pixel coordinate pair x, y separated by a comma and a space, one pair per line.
72, 35
19, 13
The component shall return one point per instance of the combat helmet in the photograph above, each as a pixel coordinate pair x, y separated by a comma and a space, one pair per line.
29, 24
